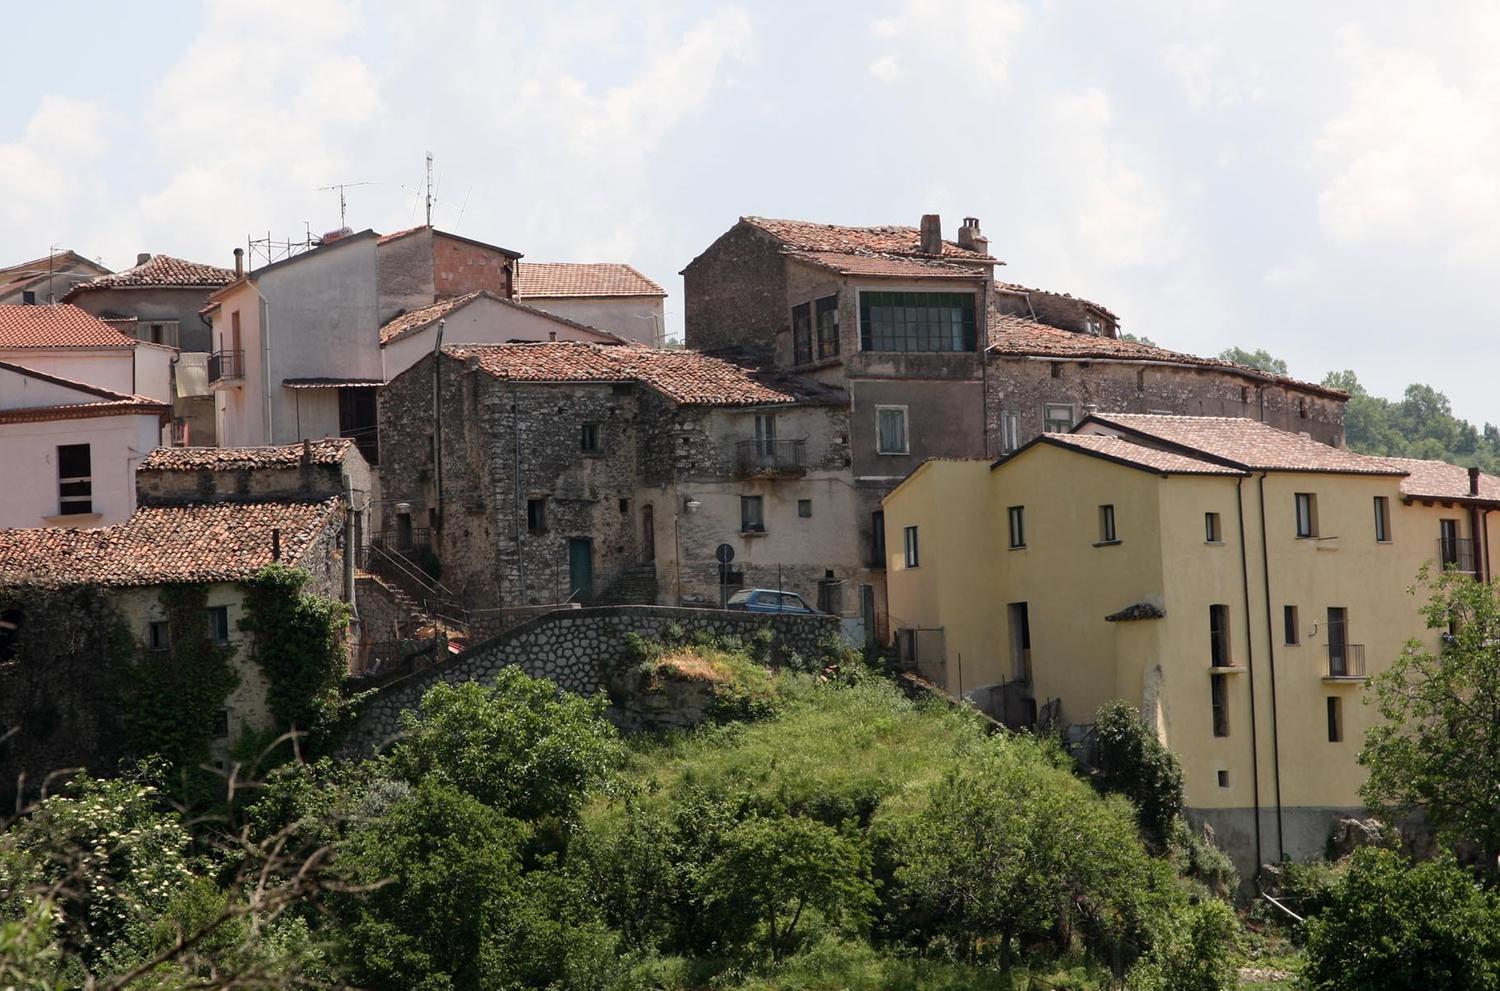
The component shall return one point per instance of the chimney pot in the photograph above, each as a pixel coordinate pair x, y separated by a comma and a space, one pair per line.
932, 234
971, 239
239, 262
1473, 481
143, 257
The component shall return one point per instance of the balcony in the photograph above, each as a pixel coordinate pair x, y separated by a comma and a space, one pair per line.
1456, 554
1344, 662
226, 366
770, 458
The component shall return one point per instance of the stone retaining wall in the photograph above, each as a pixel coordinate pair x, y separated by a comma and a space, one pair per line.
579, 650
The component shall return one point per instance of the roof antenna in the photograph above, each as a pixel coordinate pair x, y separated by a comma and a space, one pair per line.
341, 186
429, 189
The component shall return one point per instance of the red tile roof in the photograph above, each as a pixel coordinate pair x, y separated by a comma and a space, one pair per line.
330, 451
690, 378
802, 235
1440, 480
1239, 442
1015, 335
139, 405
1136, 455
552, 279
159, 272
62, 325
409, 323
158, 545
882, 266
1028, 290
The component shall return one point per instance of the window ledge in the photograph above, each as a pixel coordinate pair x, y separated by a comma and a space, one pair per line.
1226, 669
1108, 543
893, 454
1344, 679
1214, 543
1017, 547
1385, 543
752, 533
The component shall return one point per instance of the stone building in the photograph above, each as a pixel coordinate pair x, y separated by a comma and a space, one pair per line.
159, 301
574, 471
308, 472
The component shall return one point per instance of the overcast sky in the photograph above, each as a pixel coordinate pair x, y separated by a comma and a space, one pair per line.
1321, 180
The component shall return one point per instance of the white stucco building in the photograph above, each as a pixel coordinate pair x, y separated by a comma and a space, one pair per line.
607, 296
64, 340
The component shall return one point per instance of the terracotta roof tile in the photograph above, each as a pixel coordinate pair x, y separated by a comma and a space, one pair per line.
1139, 456
887, 266
165, 544
1016, 335
330, 451
686, 377
1440, 480
803, 235
62, 325
139, 405
1240, 442
159, 272
409, 323
553, 279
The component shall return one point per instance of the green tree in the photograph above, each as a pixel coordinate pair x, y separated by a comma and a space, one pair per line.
1391, 926
1134, 763
1259, 359
1437, 746
1139, 339
1197, 950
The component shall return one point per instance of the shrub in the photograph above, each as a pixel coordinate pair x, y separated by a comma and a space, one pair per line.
1134, 763
1199, 860
1393, 926
1198, 949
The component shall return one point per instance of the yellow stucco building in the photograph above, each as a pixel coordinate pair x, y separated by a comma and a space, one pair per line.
1236, 582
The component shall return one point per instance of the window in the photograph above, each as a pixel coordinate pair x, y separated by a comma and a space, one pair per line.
158, 635
221, 724
765, 434
802, 333
358, 418
877, 538
1223, 779
218, 624
1382, 519
28, 297
804, 508
916, 321
1290, 626
75, 484
1107, 525
1020, 641
909, 536
1057, 369
1218, 636
1211, 531
752, 514
1335, 719
1057, 418
828, 326
1218, 689
158, 332
536, 515
624, 505
1307, 514
1010, 431
890, 430
1017, 515
588, 438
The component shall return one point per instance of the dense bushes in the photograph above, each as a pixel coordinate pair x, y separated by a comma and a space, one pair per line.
1134, 763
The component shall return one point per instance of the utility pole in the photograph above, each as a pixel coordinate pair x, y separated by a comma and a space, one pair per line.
429, 189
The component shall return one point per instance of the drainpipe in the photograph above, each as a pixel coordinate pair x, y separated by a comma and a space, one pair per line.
1239, 501
264, 310
1474, 525
515, 424
1265, 560
351, 549
437, 425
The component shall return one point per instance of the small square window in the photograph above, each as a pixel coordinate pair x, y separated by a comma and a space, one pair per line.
624, 505
218, 624
28, 297
588, 438
752, 514
1223, 779
913, 555
1017, 516
1058, 418
804, 508
1211, 529
536, 515
158, 635
1107, 525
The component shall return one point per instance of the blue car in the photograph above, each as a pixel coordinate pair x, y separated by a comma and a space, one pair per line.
768, 600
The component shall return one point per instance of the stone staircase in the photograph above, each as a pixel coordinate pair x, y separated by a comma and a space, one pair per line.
632, 586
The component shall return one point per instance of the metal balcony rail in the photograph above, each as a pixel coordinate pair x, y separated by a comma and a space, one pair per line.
416, 537
1456, 553
771, 457
1345, 661
225, 365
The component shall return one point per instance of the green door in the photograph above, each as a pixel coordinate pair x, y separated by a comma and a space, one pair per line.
580, 569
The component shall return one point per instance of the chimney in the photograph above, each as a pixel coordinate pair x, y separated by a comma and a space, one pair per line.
306, 451
275, 543
1473, 481
932, 234
970, 238
143, 258
239, 262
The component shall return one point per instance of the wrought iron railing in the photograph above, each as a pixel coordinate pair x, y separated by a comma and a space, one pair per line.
399, 540
771, 457
226, 365
1456, 553
1345, 660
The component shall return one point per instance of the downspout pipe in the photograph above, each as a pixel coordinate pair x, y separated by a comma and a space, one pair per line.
437, 426
1239, 501
1265, 561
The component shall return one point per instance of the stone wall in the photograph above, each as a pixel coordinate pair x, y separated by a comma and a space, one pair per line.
303, 483
734, 293
580, 650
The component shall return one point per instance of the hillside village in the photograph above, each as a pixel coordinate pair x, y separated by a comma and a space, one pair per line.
425, 461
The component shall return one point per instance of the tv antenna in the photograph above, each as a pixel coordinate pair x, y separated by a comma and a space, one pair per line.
429, 189
343, 206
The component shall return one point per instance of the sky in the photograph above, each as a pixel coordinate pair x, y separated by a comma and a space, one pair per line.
1319, 180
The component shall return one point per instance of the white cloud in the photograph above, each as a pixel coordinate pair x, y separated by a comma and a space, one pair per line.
47, 174
1209, 78
975, 38
887, 69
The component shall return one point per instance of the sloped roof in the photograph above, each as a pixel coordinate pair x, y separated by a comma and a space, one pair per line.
887, 267
1024, 337
59, 325
17, 276
159, 545
330, 451
159, 272
804, 235
554, 279
1014, 287
1440, 480
689, 378
1241, 443
398, 235
409, 323
106, 402
1136, 455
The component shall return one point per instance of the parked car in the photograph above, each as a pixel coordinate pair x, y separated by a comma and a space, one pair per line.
768, 600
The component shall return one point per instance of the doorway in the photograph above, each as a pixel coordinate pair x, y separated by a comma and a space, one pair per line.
1338, 641
580, 569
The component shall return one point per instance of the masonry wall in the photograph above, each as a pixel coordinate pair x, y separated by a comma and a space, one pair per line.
735, 293
303, 483
579, 650
154, 305
460, 267
404, 274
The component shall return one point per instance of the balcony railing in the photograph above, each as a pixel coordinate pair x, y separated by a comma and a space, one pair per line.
403, 540
226, 365
1456, 553
1345, 661
771, 457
